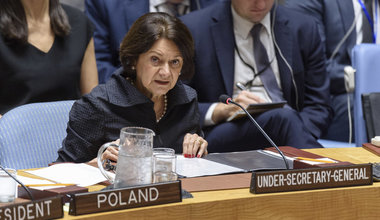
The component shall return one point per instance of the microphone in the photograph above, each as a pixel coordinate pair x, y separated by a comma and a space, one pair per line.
18, 181
227, 100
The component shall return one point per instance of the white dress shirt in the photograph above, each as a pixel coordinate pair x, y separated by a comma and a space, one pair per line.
244, 43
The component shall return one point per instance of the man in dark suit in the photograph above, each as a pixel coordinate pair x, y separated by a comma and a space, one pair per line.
113, 18
295, 56
342, 26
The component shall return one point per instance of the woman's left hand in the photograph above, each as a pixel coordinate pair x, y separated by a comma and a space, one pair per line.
194, 146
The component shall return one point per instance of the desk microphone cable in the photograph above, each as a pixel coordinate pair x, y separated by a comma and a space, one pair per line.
19, 182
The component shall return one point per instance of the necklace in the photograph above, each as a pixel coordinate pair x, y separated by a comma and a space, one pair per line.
165, 107
165, 102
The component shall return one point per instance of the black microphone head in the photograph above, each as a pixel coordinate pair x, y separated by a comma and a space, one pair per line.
224, 98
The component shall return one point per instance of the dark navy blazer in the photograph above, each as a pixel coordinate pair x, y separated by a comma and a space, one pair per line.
334, 18
112, 20
306, 89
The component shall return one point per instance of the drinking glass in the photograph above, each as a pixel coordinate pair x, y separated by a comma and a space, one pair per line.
8, 186
164, 165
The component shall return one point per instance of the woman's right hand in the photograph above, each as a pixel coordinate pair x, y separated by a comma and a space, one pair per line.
111, 154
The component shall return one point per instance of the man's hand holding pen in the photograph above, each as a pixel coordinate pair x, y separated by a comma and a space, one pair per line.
244, 98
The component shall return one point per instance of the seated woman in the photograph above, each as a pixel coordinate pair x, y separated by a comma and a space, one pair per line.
145, 92
47, 53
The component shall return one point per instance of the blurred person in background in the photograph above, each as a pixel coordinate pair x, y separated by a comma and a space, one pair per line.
276, 54
342, 25
46, 53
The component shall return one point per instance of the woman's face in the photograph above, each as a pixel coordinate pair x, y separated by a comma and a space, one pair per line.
158, 69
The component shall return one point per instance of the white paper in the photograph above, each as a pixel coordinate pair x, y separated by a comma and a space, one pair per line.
71, 173
193, 167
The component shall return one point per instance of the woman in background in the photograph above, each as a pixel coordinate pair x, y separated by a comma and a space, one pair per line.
144, 92
46, 53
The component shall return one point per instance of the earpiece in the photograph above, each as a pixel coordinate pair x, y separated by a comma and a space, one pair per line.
349, 83
349, 73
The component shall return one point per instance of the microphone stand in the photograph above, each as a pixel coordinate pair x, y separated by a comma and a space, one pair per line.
229, 100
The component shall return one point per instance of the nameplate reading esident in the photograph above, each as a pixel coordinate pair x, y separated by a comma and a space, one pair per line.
49, 208
125, 198
312, 178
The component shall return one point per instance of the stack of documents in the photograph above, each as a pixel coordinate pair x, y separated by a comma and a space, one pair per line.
71, 173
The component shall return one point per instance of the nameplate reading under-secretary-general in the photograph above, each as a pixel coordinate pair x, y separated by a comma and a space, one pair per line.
125, 198
312, 178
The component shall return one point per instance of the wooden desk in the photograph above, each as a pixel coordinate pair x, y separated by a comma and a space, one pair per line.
361, 202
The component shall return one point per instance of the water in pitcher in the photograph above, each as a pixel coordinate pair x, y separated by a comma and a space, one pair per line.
135, 170
134, 163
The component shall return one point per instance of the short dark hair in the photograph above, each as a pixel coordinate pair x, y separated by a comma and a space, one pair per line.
13, 24
146, 31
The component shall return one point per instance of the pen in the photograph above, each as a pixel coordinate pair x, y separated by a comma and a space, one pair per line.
241, 86
314, 160
52, 184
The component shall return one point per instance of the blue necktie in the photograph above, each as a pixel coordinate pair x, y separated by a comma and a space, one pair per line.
263, 66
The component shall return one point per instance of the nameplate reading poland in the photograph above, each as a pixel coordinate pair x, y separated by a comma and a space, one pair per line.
124, 198
313, 178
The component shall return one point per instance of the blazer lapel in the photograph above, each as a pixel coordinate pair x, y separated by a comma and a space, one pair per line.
133, 9
283, 38
223, 35
346, 11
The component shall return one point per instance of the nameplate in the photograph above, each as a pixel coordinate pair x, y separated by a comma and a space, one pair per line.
49, 208
312, 178
125, 198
